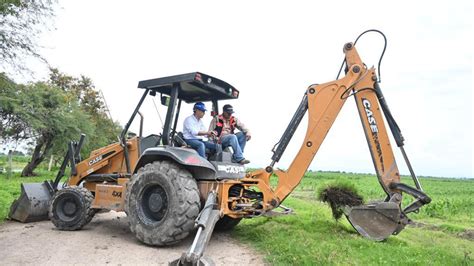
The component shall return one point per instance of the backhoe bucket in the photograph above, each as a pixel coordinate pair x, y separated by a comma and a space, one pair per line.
375, 221
33, 203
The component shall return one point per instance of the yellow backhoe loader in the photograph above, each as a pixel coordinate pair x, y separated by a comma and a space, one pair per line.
168, 190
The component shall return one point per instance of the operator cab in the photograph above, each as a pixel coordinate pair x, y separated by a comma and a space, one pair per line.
189, 88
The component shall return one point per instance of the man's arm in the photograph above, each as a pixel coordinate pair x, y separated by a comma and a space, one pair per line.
188, 126
212, 125
202, 130
241, 126
194, 129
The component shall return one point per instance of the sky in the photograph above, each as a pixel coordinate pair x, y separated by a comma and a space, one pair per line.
272, 51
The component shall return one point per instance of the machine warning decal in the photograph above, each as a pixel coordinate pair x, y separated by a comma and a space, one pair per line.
231, 169
373, 127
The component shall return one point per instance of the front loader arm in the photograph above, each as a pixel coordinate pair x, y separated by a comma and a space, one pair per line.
106, 161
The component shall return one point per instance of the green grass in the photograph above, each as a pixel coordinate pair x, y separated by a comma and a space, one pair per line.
313, 237
18, 162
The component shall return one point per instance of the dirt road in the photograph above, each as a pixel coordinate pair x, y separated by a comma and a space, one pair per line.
106, 240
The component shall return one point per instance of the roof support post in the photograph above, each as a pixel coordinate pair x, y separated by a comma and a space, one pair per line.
170, 113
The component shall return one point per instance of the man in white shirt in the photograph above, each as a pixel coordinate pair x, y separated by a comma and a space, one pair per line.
194, 130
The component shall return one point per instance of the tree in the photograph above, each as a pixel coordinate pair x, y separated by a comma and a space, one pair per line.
11, 125
50, 114
21, 22
53, 121
90, 102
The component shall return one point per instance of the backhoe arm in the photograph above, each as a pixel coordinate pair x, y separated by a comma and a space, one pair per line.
376, 220
324, 101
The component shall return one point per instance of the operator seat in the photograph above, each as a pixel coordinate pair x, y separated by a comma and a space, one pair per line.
150, 141
221, 155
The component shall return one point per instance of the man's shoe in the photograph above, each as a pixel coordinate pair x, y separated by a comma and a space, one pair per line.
244, 161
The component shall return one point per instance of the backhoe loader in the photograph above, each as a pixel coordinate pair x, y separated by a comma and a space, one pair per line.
167, 190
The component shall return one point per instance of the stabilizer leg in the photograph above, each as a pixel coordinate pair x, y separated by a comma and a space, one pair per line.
205, 223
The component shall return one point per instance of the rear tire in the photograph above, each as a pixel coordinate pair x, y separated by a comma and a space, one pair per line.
162, 203
227, 223
70, 208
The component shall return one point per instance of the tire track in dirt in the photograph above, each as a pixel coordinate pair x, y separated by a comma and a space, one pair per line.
106, 240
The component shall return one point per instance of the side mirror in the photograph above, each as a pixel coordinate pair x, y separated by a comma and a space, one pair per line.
165, 100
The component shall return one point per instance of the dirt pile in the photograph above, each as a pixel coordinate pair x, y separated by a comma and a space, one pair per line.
339, 196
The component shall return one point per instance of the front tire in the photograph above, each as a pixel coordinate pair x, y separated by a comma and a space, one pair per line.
70, 208
162, 203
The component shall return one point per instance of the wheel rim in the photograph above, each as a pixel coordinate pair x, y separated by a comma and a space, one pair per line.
68, 208
154, 202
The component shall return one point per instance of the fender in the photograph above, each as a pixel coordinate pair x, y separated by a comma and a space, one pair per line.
199, 167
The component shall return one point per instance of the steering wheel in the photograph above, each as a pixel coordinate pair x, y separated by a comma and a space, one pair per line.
177, 139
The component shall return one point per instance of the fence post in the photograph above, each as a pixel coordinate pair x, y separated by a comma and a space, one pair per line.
9, 167
50, 163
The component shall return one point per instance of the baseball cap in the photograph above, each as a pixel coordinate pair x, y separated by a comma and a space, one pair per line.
228, 109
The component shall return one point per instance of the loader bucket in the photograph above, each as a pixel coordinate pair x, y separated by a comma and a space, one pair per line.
33, 203
375, 221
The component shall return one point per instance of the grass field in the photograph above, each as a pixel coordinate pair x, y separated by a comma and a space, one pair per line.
443, 235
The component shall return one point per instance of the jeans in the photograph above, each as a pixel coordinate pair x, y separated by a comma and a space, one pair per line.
200, 146
237, 142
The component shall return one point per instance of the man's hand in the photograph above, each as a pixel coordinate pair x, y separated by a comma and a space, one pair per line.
206, 133
212, 135
248, 137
